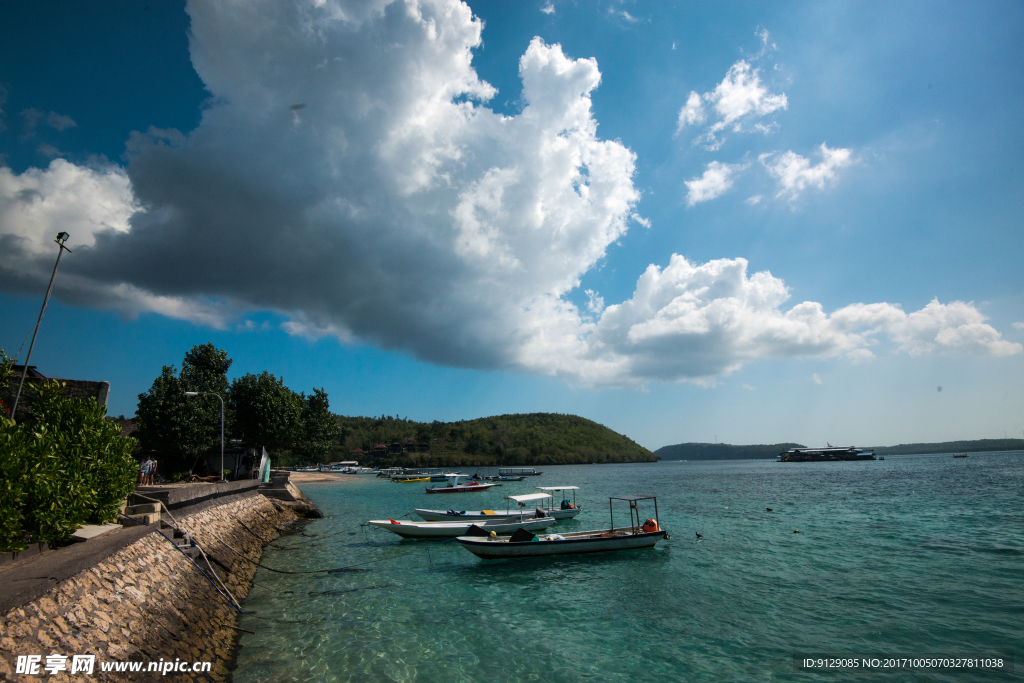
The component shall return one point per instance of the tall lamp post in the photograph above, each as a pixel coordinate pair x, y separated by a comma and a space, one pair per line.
62, 237
211, 393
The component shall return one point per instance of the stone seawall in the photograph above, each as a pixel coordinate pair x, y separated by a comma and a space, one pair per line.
149, 602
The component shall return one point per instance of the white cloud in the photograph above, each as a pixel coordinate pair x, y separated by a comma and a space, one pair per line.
692, 112
817, 378
756, 199
39, 203
740, 97
548, 9
396, 209
795, 173
715, 181
1019, 326
696, 322
749, 388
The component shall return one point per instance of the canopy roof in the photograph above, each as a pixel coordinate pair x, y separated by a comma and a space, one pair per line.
557, 488
632, 498
528, 496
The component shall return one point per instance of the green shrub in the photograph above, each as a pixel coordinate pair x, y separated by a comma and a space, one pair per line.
62, 467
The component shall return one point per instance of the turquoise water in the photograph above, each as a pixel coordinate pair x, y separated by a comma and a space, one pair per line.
907, 556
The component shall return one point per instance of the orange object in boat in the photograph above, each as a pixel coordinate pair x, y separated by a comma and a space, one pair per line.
650, 526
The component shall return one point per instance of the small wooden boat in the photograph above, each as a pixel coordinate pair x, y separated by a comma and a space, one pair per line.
453, 486
451, 529
523, 543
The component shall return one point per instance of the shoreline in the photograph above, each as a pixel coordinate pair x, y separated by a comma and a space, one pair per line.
154, 598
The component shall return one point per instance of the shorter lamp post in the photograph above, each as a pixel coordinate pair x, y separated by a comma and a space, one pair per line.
210, 393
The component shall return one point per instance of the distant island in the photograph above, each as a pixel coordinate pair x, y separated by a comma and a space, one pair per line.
722, 451
505, 440
975, 446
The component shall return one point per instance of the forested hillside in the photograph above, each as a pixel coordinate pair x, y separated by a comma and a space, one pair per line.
534, 439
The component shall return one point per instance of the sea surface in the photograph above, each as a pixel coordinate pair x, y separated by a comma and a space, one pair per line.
913, 555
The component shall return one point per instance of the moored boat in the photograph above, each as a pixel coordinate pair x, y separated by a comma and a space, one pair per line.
523, 543
541, 501
566, 509
451, 529
453, 486
518, 472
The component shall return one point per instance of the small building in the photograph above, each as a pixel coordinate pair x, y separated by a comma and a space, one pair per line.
379, 449
73, 388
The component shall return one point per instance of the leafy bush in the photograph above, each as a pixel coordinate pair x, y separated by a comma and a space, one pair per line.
62, 467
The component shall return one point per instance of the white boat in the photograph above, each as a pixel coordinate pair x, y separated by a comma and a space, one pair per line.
525, 544
547, 509
451, 529
565, 510
468, 515
453, 486
518, 472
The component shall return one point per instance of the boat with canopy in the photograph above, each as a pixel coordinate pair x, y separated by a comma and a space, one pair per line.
542, 500
409, 529
523, 543
565, 509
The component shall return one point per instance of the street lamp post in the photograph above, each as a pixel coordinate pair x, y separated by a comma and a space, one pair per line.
211, 393
62, 237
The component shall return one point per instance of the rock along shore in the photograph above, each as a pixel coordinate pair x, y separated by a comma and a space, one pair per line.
148, 602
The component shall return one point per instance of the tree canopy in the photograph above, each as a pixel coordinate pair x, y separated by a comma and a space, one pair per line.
171, 422
267, 413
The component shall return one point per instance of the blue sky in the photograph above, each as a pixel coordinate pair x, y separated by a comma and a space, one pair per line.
687, 221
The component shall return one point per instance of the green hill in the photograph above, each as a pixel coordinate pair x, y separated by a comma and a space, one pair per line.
534, 439
722, 451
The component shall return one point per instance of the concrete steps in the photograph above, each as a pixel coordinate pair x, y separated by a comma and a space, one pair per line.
145, 513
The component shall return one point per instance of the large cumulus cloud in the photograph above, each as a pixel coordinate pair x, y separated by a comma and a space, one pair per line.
348, 174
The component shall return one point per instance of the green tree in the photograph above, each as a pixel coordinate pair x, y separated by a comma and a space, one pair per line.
318, 427
63, 466
267, 414
173, 423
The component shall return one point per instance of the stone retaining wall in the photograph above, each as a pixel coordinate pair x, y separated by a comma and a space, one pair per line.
148, 601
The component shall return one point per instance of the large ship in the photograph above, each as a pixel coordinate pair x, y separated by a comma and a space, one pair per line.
829, 453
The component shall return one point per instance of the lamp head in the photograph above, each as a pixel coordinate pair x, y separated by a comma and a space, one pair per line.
62, 237
191, 393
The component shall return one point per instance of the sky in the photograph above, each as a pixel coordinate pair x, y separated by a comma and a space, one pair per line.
688, 221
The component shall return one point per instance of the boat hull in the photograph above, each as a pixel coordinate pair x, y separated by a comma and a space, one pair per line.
446, 516
573, 544
453, 529
460, 489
